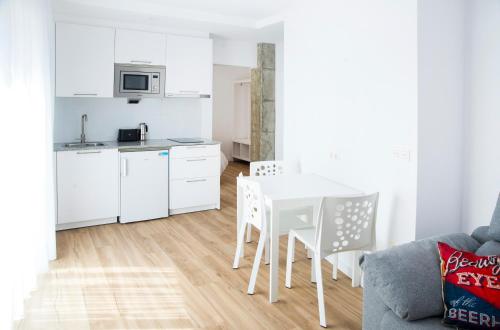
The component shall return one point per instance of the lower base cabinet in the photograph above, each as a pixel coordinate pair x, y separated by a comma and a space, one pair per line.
88, 184
88, 187
194, 178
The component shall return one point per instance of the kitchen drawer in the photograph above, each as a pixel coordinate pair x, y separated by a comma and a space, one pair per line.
194, 192
194, 167
195, 151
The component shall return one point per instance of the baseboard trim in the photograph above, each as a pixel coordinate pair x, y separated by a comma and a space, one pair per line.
194, 209
80, 224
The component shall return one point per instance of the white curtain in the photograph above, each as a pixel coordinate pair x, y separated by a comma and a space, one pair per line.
27, 235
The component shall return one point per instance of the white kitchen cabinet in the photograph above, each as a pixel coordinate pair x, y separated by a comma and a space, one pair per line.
87, 187
194, 178
84, 60
189, 66
139, 47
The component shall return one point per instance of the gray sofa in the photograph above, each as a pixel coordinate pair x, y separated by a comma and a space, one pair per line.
402, 285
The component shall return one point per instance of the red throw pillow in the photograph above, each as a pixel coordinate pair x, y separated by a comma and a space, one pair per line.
471, 289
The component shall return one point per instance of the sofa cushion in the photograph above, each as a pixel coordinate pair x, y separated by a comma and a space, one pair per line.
494, 230
373, 307
408, 278
391, 321
470, 289
490, 248
480, 234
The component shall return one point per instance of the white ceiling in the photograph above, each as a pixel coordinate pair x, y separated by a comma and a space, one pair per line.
250, 9
258, 20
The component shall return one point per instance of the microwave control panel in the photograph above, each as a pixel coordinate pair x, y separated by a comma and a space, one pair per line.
155, 82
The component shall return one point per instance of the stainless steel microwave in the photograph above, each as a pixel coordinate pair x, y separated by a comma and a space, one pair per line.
138, 81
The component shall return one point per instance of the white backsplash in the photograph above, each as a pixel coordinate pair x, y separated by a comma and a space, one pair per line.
173, 117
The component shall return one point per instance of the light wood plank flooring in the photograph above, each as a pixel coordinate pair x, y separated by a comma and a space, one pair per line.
176, 273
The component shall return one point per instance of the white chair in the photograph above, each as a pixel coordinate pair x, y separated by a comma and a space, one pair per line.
272, 168
254, 214
344, 224
265, 168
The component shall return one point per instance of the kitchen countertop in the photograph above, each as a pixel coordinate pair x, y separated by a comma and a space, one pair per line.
148, 144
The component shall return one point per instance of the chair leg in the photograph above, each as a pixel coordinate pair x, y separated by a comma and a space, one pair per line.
335, 265
249, 233
319, 288
289, 260
256, 263
356, 270
239, 245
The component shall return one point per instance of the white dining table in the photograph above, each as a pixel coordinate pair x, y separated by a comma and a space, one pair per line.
285, 192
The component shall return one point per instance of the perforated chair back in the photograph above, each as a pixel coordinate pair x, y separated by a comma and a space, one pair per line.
254, 210
346, 224
267, 168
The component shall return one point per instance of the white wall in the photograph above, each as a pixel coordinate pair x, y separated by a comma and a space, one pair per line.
223, 104
350, 77
440, 116
482, 156
235, 52
172, 117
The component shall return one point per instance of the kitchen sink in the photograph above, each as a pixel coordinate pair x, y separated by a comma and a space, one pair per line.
84, 145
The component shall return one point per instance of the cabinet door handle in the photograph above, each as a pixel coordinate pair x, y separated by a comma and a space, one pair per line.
124, 167
189, 92
140, 61
196, 160
88, 152
84, 94
199, 180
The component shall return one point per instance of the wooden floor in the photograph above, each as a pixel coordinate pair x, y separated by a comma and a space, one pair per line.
176, 273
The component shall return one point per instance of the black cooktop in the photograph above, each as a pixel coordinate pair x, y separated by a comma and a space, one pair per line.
186, 140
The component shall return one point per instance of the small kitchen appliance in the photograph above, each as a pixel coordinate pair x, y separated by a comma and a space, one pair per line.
129, 135
143, 128
137, 81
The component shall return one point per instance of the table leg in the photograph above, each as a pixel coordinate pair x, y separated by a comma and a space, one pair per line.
274, 262
316, 208
316, 204
239, 213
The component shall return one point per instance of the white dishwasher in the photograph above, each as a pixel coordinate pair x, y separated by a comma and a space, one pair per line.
143, 184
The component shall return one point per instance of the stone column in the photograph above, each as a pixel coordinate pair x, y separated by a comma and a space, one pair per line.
263, 104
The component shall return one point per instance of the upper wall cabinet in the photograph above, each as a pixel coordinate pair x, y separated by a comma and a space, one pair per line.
138, 47
189, 66
84, 60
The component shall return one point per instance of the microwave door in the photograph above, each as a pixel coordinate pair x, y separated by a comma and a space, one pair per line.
135, 82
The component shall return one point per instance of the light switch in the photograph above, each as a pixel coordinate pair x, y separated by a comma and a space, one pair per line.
402, 153
334, 155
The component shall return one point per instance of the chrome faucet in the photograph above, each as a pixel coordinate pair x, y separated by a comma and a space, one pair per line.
82, 136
